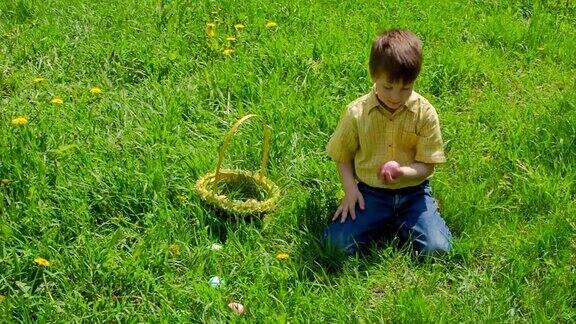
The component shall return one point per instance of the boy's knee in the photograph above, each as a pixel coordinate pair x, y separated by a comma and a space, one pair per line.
339, 242
435, 245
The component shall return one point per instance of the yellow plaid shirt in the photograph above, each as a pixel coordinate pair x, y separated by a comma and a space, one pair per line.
371, 135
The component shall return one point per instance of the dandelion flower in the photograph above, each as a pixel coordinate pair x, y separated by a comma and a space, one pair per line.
181, 198
228, 51
239, 27
231, 38
211, 29
39, 80
19, 121
42, 262
5, 182
2, 298
271, 24
95, 91
175, 249
57, 101
282, 256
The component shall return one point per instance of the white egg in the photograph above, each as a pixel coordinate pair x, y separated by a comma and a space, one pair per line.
216, 247
215, 282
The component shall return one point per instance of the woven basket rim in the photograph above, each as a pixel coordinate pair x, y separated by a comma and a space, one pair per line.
236, 206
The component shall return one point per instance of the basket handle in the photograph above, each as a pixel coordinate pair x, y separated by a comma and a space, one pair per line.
228, 138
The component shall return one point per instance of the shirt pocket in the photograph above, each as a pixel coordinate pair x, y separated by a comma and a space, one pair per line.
407, 140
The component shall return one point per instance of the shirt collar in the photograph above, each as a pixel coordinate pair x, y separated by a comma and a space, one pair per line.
372, 102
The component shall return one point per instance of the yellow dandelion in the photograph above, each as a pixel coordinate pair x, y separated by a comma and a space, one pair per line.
181, 198
239, 27
175, 249
271, 24
42, 262
231, 39
282, 256
95, 91
19, 121
57, 101
2, 298
210, 32
5, 182
211, 29
228, 51
39, 80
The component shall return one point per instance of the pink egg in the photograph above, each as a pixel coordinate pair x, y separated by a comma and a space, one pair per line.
390, 168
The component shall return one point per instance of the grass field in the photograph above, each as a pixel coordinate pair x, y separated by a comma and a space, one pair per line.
102, 185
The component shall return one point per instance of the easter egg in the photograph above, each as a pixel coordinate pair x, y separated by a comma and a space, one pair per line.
216, 247
237, 308
390, 170
215, 282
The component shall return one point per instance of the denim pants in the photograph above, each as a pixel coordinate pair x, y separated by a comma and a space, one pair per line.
410, 213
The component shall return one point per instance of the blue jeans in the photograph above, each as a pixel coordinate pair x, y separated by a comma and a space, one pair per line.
411, 213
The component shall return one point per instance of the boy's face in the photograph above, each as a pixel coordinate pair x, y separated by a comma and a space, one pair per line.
394, 95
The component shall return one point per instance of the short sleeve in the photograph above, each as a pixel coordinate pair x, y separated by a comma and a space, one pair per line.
430, 147
343, 144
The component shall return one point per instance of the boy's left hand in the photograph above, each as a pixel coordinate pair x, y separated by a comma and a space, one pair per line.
390, 172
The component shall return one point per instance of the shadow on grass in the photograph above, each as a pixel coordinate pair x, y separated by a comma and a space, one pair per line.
319, 261
220, 221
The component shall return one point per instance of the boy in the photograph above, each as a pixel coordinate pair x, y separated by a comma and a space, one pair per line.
386, 145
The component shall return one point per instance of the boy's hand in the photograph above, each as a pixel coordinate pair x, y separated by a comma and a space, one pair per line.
348, 205
390, 172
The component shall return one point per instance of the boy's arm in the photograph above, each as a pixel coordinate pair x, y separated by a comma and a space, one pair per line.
342, 148
417, 171
346, 172
352, 194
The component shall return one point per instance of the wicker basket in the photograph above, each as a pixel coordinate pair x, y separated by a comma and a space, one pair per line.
206, 185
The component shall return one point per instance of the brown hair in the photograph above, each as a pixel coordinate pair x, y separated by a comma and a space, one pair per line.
398, 53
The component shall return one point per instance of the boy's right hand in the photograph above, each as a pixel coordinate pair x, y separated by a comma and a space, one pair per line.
348, 205
390, 172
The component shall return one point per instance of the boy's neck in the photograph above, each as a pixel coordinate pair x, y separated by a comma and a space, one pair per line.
383, 105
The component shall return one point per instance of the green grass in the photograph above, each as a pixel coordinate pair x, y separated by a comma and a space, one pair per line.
97, 183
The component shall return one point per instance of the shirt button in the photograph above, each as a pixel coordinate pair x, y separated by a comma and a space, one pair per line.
390, 145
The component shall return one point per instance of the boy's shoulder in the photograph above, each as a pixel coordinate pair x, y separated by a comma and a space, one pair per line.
422, 107
418, 101
361, 104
